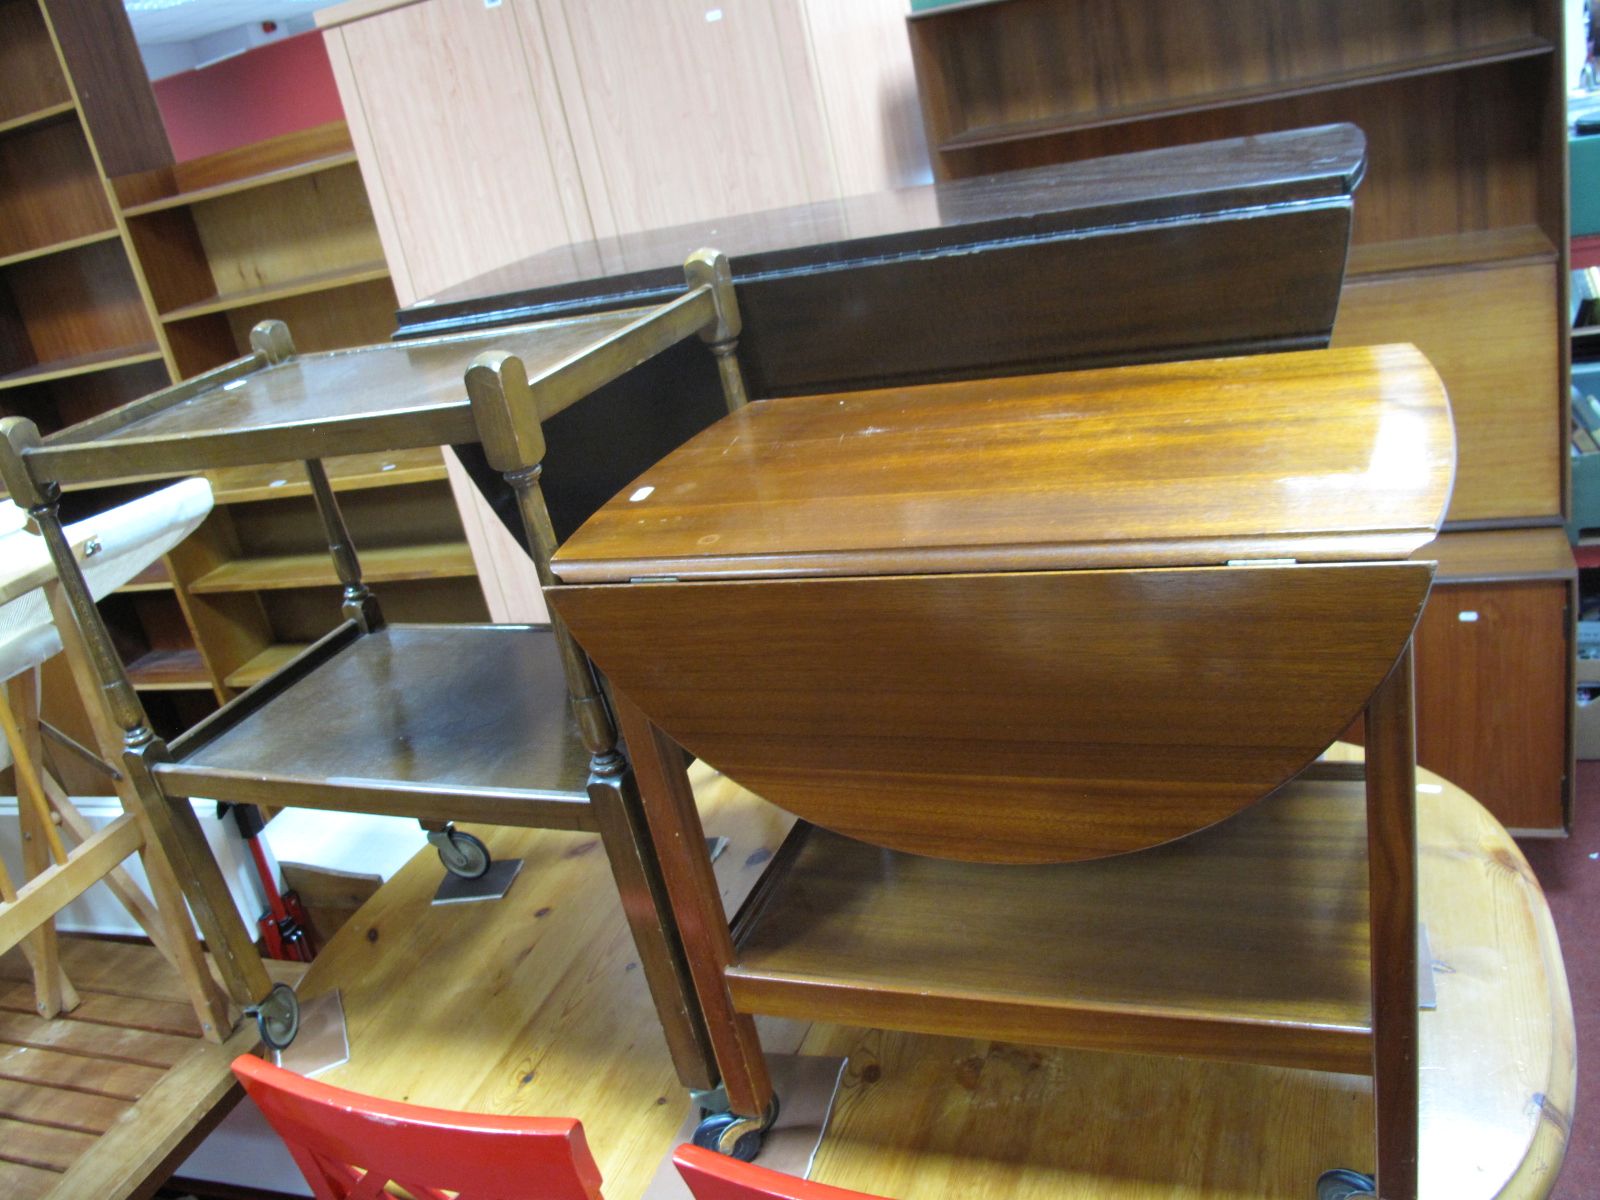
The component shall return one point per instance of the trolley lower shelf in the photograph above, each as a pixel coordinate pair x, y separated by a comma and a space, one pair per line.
1246, 942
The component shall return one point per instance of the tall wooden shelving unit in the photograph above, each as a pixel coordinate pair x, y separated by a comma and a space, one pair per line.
1459, 246
122, 271
76, 332
283, 229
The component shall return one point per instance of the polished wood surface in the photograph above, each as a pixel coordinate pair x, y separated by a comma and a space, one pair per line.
563, 1027
1495, 694
344, 399
934, 509
1486, 330
1246, 942
1393, 924
1170, 464
1119, 708
475, 716
1493, 555
1304, 166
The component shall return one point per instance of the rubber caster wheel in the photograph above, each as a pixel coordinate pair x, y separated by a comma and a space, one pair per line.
461, 853
277, 1016
1345, 1185
735, 1136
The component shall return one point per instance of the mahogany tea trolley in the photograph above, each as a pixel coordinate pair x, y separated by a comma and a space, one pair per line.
1046, 665
501, 724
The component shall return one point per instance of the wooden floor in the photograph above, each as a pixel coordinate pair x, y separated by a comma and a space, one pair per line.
97, 1102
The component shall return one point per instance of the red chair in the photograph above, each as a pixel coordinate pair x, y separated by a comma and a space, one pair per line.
712, 1176
350, 1146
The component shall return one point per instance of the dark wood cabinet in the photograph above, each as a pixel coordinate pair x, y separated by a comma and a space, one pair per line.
1494, 673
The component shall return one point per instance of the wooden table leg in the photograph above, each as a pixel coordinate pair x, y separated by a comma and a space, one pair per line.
680, 847
1392, 868
614, 793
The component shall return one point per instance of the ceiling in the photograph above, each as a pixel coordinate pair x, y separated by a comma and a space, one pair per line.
156, 21
182, 35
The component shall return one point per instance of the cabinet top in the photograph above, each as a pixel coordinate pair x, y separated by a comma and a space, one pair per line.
1235, 175
1321, 456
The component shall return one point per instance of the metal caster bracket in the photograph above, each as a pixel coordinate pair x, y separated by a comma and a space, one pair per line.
729, 1133
277, 1016
461, 853
1341, 1184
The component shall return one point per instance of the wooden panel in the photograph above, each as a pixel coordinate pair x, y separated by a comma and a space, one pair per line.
228, 630
994, 72
49, 191
172, 258
372, 170
303, 615
82, 302
1480, 170
480, 154
112, 86
1491, 334
1202, 690
861, 60
742, 131
1493, 696
1495, 555
30, 72
305, 226
378, 519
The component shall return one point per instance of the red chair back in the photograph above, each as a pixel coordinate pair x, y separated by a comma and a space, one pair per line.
713, 1176
349, 1146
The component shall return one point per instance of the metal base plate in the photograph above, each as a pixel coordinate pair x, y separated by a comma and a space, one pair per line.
491, 885
322, 1041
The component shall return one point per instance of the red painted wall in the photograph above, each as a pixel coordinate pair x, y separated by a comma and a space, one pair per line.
274, 89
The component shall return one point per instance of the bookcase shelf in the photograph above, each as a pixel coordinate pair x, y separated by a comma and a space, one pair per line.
81, 364
265, 178
989, 135
38, 116
87, 239
391, 564
321, 281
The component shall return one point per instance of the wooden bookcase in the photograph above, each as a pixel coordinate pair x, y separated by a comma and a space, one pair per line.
1459, 246
122, 271
283, 229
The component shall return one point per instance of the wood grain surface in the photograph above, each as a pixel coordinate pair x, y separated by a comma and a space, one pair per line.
105, 1101
1107, 711
1247, 941
1488, 332
527, 1006
1316, 456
